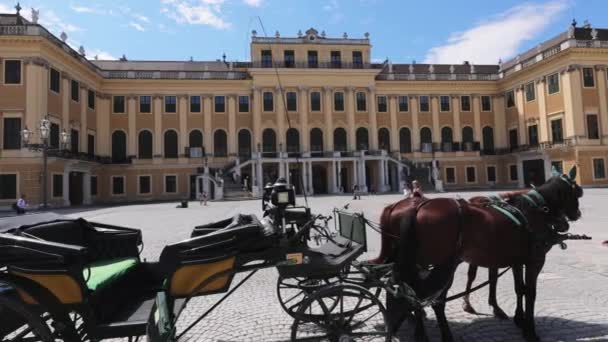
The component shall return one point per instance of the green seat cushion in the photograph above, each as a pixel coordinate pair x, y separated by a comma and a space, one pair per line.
102, 273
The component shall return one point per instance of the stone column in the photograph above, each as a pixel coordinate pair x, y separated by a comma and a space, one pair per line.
477, 118
333, 182
86, 188
435, 115
260, 176
36, 83
392, 107
603, 110
132, 130
500, 121
311, 190
415, 125
339, 175
329, 125
182, 110
457, 126
257, 116
519, 102
382, 174
543, 131
157, 109
574, 126
279, 109
303, 115
350, 118
66, 187
102, 118
232, 135
373, 120
84, 139
66, 101
520, 173
208, 123
362, 176
355, 176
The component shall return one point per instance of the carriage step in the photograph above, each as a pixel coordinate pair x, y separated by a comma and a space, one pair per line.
131, 322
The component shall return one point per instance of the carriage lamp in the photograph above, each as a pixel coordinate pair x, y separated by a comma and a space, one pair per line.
65, 138
25, 135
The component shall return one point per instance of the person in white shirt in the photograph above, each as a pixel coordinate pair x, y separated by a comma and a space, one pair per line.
406, 192
21, 205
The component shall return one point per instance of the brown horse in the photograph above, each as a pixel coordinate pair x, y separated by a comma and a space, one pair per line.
436, 235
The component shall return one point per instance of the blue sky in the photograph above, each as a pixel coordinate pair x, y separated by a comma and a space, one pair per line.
480, 31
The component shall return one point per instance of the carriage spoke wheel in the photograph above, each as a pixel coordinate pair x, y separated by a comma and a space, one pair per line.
21, 323
292, 291
358, 315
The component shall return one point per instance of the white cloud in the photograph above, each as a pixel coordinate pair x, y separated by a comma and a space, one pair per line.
332, 5
253, 3
82, 9
201, 12
101, 55
137, 26
500, 37
141, 18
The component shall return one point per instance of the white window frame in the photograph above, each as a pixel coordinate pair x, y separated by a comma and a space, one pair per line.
420, 104
238, 104
51, 90
124, 190
593, 168
533, 89
190, 104
94, 99
366, 102
263, 109
139, 193
445, 174
165, 105
481, 103
449, 103
165, 183
488, 181
583, 77
509, 179
386, 102
470, 103
343, 101
124, 109
17, 187
408, 104
320, 101
4, 72
151, 104
53, 174
559, 86
466, 167
507, 99
79, 97
287, 104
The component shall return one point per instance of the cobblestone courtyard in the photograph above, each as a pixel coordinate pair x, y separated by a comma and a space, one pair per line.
572, 302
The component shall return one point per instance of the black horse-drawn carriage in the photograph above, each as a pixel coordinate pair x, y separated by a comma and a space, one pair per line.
76, 280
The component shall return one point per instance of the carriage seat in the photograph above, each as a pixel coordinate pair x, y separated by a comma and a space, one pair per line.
101, 274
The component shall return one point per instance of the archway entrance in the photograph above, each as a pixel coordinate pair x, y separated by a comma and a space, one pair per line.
319, 179
76, 186
295, 179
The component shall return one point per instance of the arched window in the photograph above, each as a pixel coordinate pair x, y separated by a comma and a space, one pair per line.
144, 145
340, 140
195, 139
384, 139
269, 140
426, 136
446, 139
405, 140
244, 143
292, 137
119, 146
316, 140
488, 139
171, 144
362, 139
467, 134
220, 143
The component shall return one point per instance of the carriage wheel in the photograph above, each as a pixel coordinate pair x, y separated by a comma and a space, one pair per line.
292, 291
22, 324
358, 315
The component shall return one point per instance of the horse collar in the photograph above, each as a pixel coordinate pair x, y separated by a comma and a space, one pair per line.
535, 198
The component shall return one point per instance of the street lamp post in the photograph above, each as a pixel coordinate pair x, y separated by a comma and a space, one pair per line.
45, 129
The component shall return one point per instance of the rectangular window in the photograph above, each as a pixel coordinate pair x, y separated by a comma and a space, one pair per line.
55, 80
444, 103
336, 60
588, 78
553, 83
57, 186
145, 104
599, 169
266, 59
11, 134
91, 99
315, 101
339, 101
292, 101
313, 59
75, 91
12, 72
290, 58
530, 92
513, 173
424, 103
491, 174
243, 104
93, 185
557, 133
145, 185
486, 103
171, 184
8, 186
357, 59
533, 135
118, 185
220, 104
382, 105
361, 102
90, 144
450, 175
195, 104
170, 104
268, 101
558, 166
118, 104
465, 103
510, 98
54, 135
403, 103
471, 174
593, 130
513, 140
74, 141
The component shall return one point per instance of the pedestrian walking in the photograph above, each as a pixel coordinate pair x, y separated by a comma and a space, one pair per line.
356, 194
204, 198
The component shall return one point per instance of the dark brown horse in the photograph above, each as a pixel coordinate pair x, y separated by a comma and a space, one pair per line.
436, 235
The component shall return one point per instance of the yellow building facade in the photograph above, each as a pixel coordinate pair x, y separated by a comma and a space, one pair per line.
310, 108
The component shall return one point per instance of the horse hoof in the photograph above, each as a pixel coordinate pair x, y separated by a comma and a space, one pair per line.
519, 321
498, 313
466, 307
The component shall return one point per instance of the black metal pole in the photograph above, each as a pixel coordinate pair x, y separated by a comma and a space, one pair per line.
44, 176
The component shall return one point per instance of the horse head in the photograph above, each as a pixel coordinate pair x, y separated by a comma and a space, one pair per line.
562, 194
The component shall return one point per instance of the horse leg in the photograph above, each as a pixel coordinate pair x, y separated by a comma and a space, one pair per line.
532, 271
493, 276
446, 333
471, 274
518, 280
420, 331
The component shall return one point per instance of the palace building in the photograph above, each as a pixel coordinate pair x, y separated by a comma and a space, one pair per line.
311, 108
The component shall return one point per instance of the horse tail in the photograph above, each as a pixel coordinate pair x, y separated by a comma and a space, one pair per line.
405, 263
